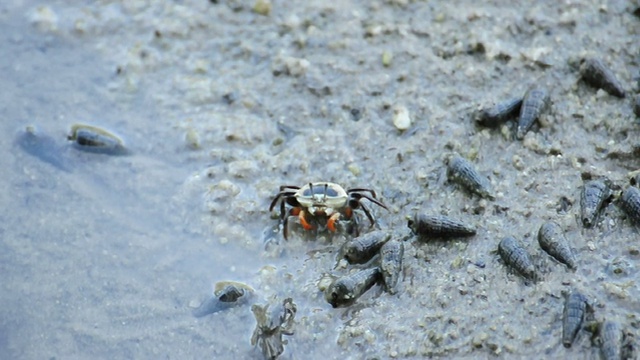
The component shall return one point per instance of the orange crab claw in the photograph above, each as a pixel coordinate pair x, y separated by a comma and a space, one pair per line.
331, 223
303, 221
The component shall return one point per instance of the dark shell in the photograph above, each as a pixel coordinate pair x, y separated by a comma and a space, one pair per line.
497, 114
575, 308
438, 226
552, 240
363, 248
630, 202
93, 139
636, 105
391, 255
596, 74
464, 173
346, 290
514, 254
594, 195
535, 102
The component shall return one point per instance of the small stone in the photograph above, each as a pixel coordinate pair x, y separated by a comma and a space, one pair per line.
387, 58
243, 169
296, 66
401, 118
517, 162
45, 19
354, 169
479, 339
325, 282
192, 139
262, 7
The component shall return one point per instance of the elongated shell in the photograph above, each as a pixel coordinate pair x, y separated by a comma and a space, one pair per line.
391, 255
611, 337
592, 199
552, 240
497, 114
438, 226
94, 139
596, 74
363, 248
575, 308
346, 290
536, 101
630, 202
514, 254
464, 173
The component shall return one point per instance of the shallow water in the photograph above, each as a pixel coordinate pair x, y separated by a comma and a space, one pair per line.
106, 257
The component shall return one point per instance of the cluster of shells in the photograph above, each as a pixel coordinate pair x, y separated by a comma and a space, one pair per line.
379, 254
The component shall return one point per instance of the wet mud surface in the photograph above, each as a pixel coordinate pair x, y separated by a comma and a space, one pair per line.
219, 105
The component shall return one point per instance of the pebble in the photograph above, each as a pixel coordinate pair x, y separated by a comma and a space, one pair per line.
262, 7
401, 117
387, 58
296, 66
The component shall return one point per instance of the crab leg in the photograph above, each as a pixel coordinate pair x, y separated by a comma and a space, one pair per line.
303, 220
358, 196
279, 197
301, 214
331, 223
285, 228
369, 216
285, 220
373, 193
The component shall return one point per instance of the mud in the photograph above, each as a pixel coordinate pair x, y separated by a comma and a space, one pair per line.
219, 105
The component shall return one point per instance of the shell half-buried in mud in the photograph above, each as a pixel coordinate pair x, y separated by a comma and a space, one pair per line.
462, 171
493, 116
575, 310
363, 248
346, 290
595, 194
391, 255
552, 240
514, 255
227, 294
595, 73
610, 334
438, 226
535, 102
94, 139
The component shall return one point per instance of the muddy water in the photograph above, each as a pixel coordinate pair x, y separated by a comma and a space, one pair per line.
106, 256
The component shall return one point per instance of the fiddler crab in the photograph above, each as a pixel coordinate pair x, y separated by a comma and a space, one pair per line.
322, 201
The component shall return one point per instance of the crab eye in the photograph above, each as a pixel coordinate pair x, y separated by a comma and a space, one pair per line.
332, 192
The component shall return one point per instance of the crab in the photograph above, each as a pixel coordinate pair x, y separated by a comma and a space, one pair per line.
322, 200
